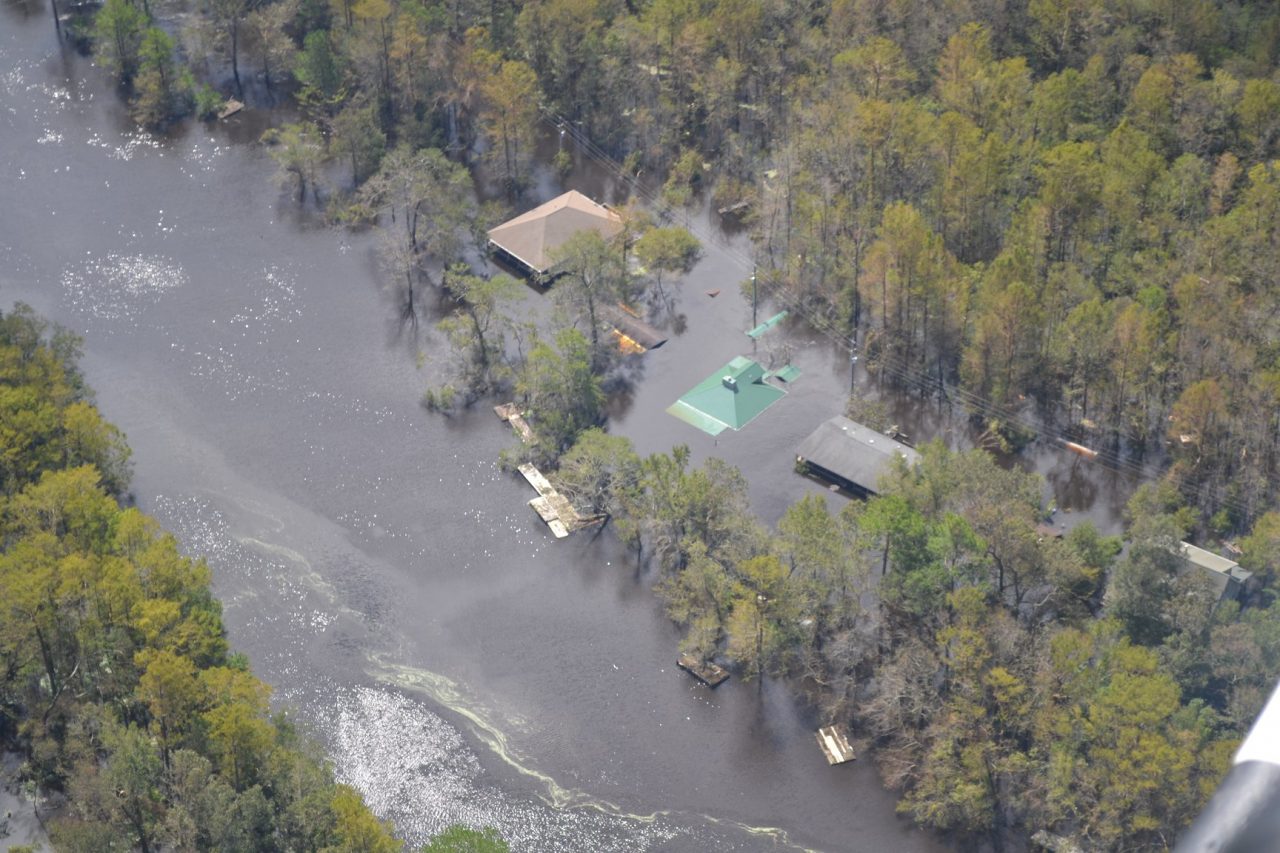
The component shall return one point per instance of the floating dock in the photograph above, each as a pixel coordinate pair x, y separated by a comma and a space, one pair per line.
835, 744
707, 672
510, 413
553, 507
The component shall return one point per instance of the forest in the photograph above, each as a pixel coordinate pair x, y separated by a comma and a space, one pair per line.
1059, 217
1020, 206
138, 727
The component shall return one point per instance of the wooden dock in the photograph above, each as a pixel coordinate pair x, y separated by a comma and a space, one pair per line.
554, 508
510, 413
707, 672
834, 741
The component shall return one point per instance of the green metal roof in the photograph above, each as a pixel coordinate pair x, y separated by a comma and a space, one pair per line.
790, 373
730, 398
767, 325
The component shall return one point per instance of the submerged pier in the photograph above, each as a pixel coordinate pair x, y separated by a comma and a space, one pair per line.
554, 508
834, 741
710, 674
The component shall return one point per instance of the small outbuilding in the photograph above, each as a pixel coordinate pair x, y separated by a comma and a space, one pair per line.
633, 334
849, 455
529, 242
730, 398
1229, 581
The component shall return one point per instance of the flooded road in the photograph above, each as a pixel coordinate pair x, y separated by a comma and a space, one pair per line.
381, 572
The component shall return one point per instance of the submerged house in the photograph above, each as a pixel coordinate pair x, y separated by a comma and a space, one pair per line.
730, 398
849, 455
1226, 577
529, 242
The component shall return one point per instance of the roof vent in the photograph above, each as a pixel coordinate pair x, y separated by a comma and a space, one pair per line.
730, 383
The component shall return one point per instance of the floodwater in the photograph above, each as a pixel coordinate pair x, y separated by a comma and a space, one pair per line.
381, 572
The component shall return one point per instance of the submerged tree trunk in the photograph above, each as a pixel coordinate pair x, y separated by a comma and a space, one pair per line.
235, 56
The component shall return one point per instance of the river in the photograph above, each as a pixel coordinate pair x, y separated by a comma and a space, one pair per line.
380, 571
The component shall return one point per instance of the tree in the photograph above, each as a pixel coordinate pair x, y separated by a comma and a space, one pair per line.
477, 330
118, 31
600, 473
763, 615
878, 68
169, 688
509, 116
430, 196
667, 250
298, 150
160, 87
594, 277
320, 69
1141, 583
431, 204
355, 130
907, 276
133, 771
239, 736
461, 839
228, 16
356, 829
561, 391
268, 39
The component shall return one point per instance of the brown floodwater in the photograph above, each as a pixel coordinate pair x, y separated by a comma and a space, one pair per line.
382, 573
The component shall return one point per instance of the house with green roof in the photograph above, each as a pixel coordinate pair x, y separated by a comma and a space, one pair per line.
730, 398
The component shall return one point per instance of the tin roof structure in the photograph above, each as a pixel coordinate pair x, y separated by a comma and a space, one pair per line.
1225, 576
532, 238
730, 398
851, 454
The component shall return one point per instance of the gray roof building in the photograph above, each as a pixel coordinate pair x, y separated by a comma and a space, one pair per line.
851, 455
1226, 576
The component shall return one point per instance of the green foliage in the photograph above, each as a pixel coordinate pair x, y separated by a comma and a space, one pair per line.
118, 32
600, 473
1034, 204
117, 686
319, 68
461, 839
561, 391
595, 279
207, 102
161, 88
477, 331
667, 250
298, 150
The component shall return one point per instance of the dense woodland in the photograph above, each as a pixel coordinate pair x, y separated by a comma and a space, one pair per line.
1061, 217
138, 728
1021, 205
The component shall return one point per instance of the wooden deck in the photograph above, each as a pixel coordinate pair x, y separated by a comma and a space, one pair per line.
707, 672
554, 508
835, 744
510, 413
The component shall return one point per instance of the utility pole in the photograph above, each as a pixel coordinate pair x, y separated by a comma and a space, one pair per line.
753, 296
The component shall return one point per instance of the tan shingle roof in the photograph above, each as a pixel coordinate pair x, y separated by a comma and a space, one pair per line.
534, 236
